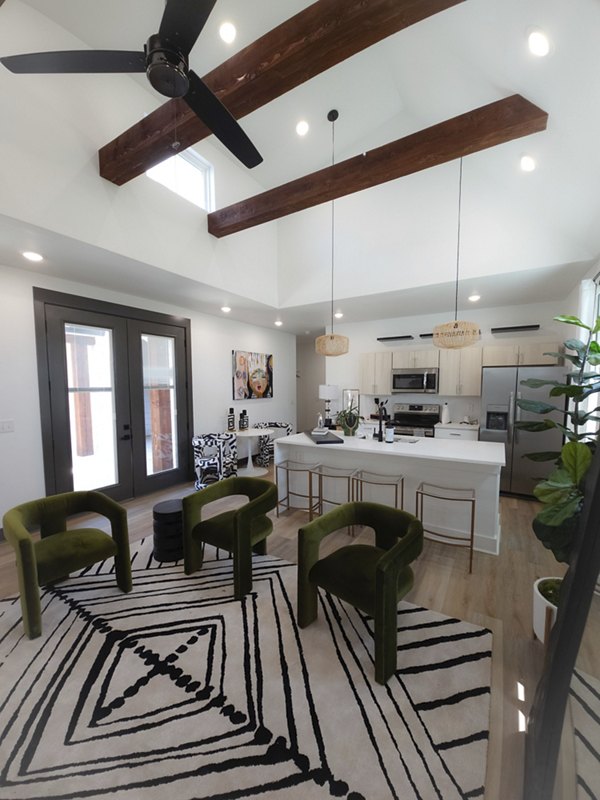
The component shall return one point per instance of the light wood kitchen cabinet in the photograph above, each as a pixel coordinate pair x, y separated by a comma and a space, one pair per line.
460, 372
526, 353
421, 359
375, 373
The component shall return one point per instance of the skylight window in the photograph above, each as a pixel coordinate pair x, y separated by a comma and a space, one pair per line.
188, 175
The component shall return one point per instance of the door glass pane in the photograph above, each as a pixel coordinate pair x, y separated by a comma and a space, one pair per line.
160, 407
90, 386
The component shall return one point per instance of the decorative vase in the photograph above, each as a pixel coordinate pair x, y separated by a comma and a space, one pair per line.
544, 611
350, 424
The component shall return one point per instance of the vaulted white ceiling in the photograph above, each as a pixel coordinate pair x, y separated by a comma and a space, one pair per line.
526, 236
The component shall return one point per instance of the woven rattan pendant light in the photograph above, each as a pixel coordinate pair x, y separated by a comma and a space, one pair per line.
458, 333
332, 344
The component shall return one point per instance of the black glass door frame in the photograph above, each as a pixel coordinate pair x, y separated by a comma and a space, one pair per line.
127, 326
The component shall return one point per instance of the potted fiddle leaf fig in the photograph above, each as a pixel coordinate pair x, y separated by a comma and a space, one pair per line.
561, 493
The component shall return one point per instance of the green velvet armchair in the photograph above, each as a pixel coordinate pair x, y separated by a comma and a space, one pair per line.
372, 578
59, 551
240, 531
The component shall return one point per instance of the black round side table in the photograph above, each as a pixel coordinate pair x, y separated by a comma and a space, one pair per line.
168, 530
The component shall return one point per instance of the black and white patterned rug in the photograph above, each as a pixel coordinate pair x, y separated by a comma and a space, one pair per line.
179, 691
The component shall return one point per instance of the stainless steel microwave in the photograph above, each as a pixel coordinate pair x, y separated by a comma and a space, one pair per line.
415, 380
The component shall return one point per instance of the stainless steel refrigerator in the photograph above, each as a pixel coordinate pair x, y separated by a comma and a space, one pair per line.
501, 388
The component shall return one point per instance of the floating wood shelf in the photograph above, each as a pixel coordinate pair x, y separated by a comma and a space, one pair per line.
515, 329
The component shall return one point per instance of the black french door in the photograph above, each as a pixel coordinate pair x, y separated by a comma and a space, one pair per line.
114, 393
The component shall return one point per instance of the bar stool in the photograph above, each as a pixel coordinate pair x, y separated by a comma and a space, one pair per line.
296, 468
444, 494
363, 477
325, 473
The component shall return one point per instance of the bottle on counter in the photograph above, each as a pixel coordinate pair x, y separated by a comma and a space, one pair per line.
389, 432
445, 414
231, 420
243, 421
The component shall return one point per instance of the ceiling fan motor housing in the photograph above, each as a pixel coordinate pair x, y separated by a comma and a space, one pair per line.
166, 68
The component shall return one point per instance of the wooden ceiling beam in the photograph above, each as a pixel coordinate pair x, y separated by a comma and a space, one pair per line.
468, 133
312, 41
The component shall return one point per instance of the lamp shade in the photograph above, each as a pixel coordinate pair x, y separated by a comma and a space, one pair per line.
332, 344
452, 335
327, 391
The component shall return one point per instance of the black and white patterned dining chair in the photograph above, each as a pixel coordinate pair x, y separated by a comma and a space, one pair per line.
266, 448
215, 457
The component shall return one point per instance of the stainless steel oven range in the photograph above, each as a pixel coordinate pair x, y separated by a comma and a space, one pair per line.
416, 419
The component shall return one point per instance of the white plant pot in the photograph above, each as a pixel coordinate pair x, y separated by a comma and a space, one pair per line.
542, 607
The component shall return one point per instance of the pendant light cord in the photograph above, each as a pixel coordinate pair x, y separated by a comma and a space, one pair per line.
332, 220
458, 239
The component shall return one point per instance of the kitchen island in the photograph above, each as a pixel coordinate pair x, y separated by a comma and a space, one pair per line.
458, 464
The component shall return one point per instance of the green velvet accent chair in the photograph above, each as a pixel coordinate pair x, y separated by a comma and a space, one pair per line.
372, 578
60, 551
240, 531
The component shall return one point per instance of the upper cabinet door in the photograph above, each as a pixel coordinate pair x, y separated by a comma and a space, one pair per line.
449, 379
470, 371
500, 355
375, 373
421, 359
366, 373
402, 359
383, 373
426, 359
532, 353
460, 372
521, 353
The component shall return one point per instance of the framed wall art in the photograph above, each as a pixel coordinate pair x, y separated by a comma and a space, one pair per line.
252, 375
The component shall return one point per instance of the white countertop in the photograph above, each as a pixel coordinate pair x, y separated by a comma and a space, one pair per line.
466, 452
457, 426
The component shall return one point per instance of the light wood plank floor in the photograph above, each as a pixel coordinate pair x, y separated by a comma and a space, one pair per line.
498, 595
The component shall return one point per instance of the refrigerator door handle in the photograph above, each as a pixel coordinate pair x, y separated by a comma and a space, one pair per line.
517, 416
511, 417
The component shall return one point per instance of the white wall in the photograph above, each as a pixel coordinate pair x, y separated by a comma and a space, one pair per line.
384, 242
213, 339
310, 373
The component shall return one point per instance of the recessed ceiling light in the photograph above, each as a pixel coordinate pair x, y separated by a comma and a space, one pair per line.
474, 297
302, 127
278, 322
225, 309
338, 315
528, 163
227, 32
539, 44
31, 256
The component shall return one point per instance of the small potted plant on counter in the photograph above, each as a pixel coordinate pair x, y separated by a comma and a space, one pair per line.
349, 419
561, 493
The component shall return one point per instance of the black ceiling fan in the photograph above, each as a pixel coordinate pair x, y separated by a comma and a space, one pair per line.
164, 59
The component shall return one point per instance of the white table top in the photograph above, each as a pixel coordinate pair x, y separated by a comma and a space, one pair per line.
460, 450
255, 432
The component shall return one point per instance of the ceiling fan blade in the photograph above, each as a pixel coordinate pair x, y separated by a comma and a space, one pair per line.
77, 61
182, 22
225, 127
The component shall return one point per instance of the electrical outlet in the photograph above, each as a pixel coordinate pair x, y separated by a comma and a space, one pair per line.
7, 426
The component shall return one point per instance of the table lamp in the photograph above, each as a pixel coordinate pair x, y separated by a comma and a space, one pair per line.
328, 392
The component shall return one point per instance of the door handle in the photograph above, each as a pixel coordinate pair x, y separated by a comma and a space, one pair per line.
517, 416
511, 416
125, 437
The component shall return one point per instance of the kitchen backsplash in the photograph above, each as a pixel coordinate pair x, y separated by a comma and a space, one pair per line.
460, 407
